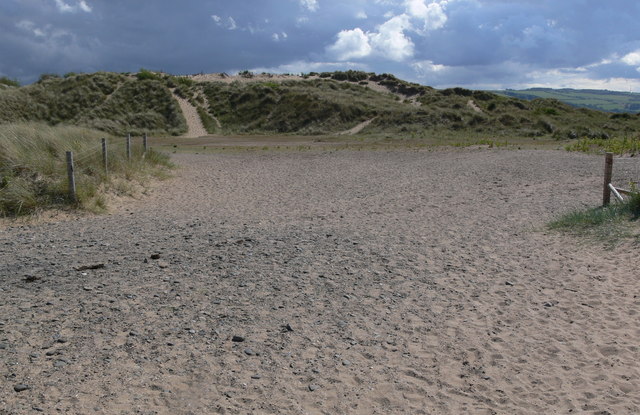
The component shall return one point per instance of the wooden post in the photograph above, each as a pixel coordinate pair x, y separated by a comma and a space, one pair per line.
608, 170
144, 142
71, 175
104, 155
128, 147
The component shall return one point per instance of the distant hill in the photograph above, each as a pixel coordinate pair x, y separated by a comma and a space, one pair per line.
327, 103
602, 100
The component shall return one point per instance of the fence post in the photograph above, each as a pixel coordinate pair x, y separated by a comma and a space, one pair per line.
71, 175
128, 147
104, 156
144, 142
608, 170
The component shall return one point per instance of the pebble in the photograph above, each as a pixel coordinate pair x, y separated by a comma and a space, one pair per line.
313, 387
155, 256
346, 363
256, 377
288, 327
3, 346
249, 352
237, 339
21, 387
509, 283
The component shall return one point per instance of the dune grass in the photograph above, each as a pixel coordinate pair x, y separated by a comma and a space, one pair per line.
33, 172
607, 224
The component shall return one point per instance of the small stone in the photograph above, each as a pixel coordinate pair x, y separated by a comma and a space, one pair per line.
60, 363
87, 288
21, 388
313, 387
62, 340
548, 304
237, 339
133, 333
155, 256
163, 264
288, 327
346, 363
509, 283
256, 377
249, 352
3, 346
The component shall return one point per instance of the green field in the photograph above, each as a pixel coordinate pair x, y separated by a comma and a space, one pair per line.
602, 100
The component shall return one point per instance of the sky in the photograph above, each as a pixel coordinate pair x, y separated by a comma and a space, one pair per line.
477, 44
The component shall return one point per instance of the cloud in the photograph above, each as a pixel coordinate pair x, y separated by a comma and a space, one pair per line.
277, 37
228, 23
632, 59
391, 41
351, 44
361, 15
432, 15
311, 5
67, 8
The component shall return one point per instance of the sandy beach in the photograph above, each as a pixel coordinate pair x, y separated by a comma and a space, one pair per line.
327, 282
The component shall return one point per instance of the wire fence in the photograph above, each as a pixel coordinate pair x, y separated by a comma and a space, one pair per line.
621, 176
105, 153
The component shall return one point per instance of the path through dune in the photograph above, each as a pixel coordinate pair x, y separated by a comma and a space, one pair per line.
195, 128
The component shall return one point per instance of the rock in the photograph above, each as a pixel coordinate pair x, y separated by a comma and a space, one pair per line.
21, 388
509, 283
346, 363
249, 352
155, 256
62, 340
237, 339
256, 377
163, 264
60, 363
313, 387
287, 327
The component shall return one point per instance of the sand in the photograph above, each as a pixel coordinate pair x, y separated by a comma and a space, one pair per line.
360, 282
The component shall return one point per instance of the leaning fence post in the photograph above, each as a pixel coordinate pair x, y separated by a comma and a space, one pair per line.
104, 155
608, 170
144, 142
128, 147
70, 174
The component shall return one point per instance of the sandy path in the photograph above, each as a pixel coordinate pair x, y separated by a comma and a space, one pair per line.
357, 128
195, 128
361, 282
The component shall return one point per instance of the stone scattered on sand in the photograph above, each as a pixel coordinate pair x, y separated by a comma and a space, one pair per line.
21, 388
249, 352
313, 387
237, 339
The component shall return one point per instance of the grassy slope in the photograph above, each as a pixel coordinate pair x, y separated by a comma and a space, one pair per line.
110, 102
611, 101
332, 104
316, 104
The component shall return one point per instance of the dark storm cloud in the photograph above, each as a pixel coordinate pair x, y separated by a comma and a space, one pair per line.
476, 43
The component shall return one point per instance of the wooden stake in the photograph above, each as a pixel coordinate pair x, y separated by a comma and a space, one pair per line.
608, 170
71, 175
129, 146
104, 156
144, 142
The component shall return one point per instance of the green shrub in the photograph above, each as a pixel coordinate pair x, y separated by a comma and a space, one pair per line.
9, 82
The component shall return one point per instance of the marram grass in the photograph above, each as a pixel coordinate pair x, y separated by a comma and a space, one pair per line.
33, 172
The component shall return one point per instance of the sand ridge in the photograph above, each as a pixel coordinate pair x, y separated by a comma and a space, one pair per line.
360, 282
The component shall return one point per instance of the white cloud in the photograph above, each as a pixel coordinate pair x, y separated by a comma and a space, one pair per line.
351, 44
361, 15
390, 41
67, 8
31, 27
632, 58
277, 37
311, 5
426, 68
229, 23
432, 15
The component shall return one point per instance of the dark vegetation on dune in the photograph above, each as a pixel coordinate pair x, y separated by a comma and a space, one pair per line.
315, 104
110, 102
